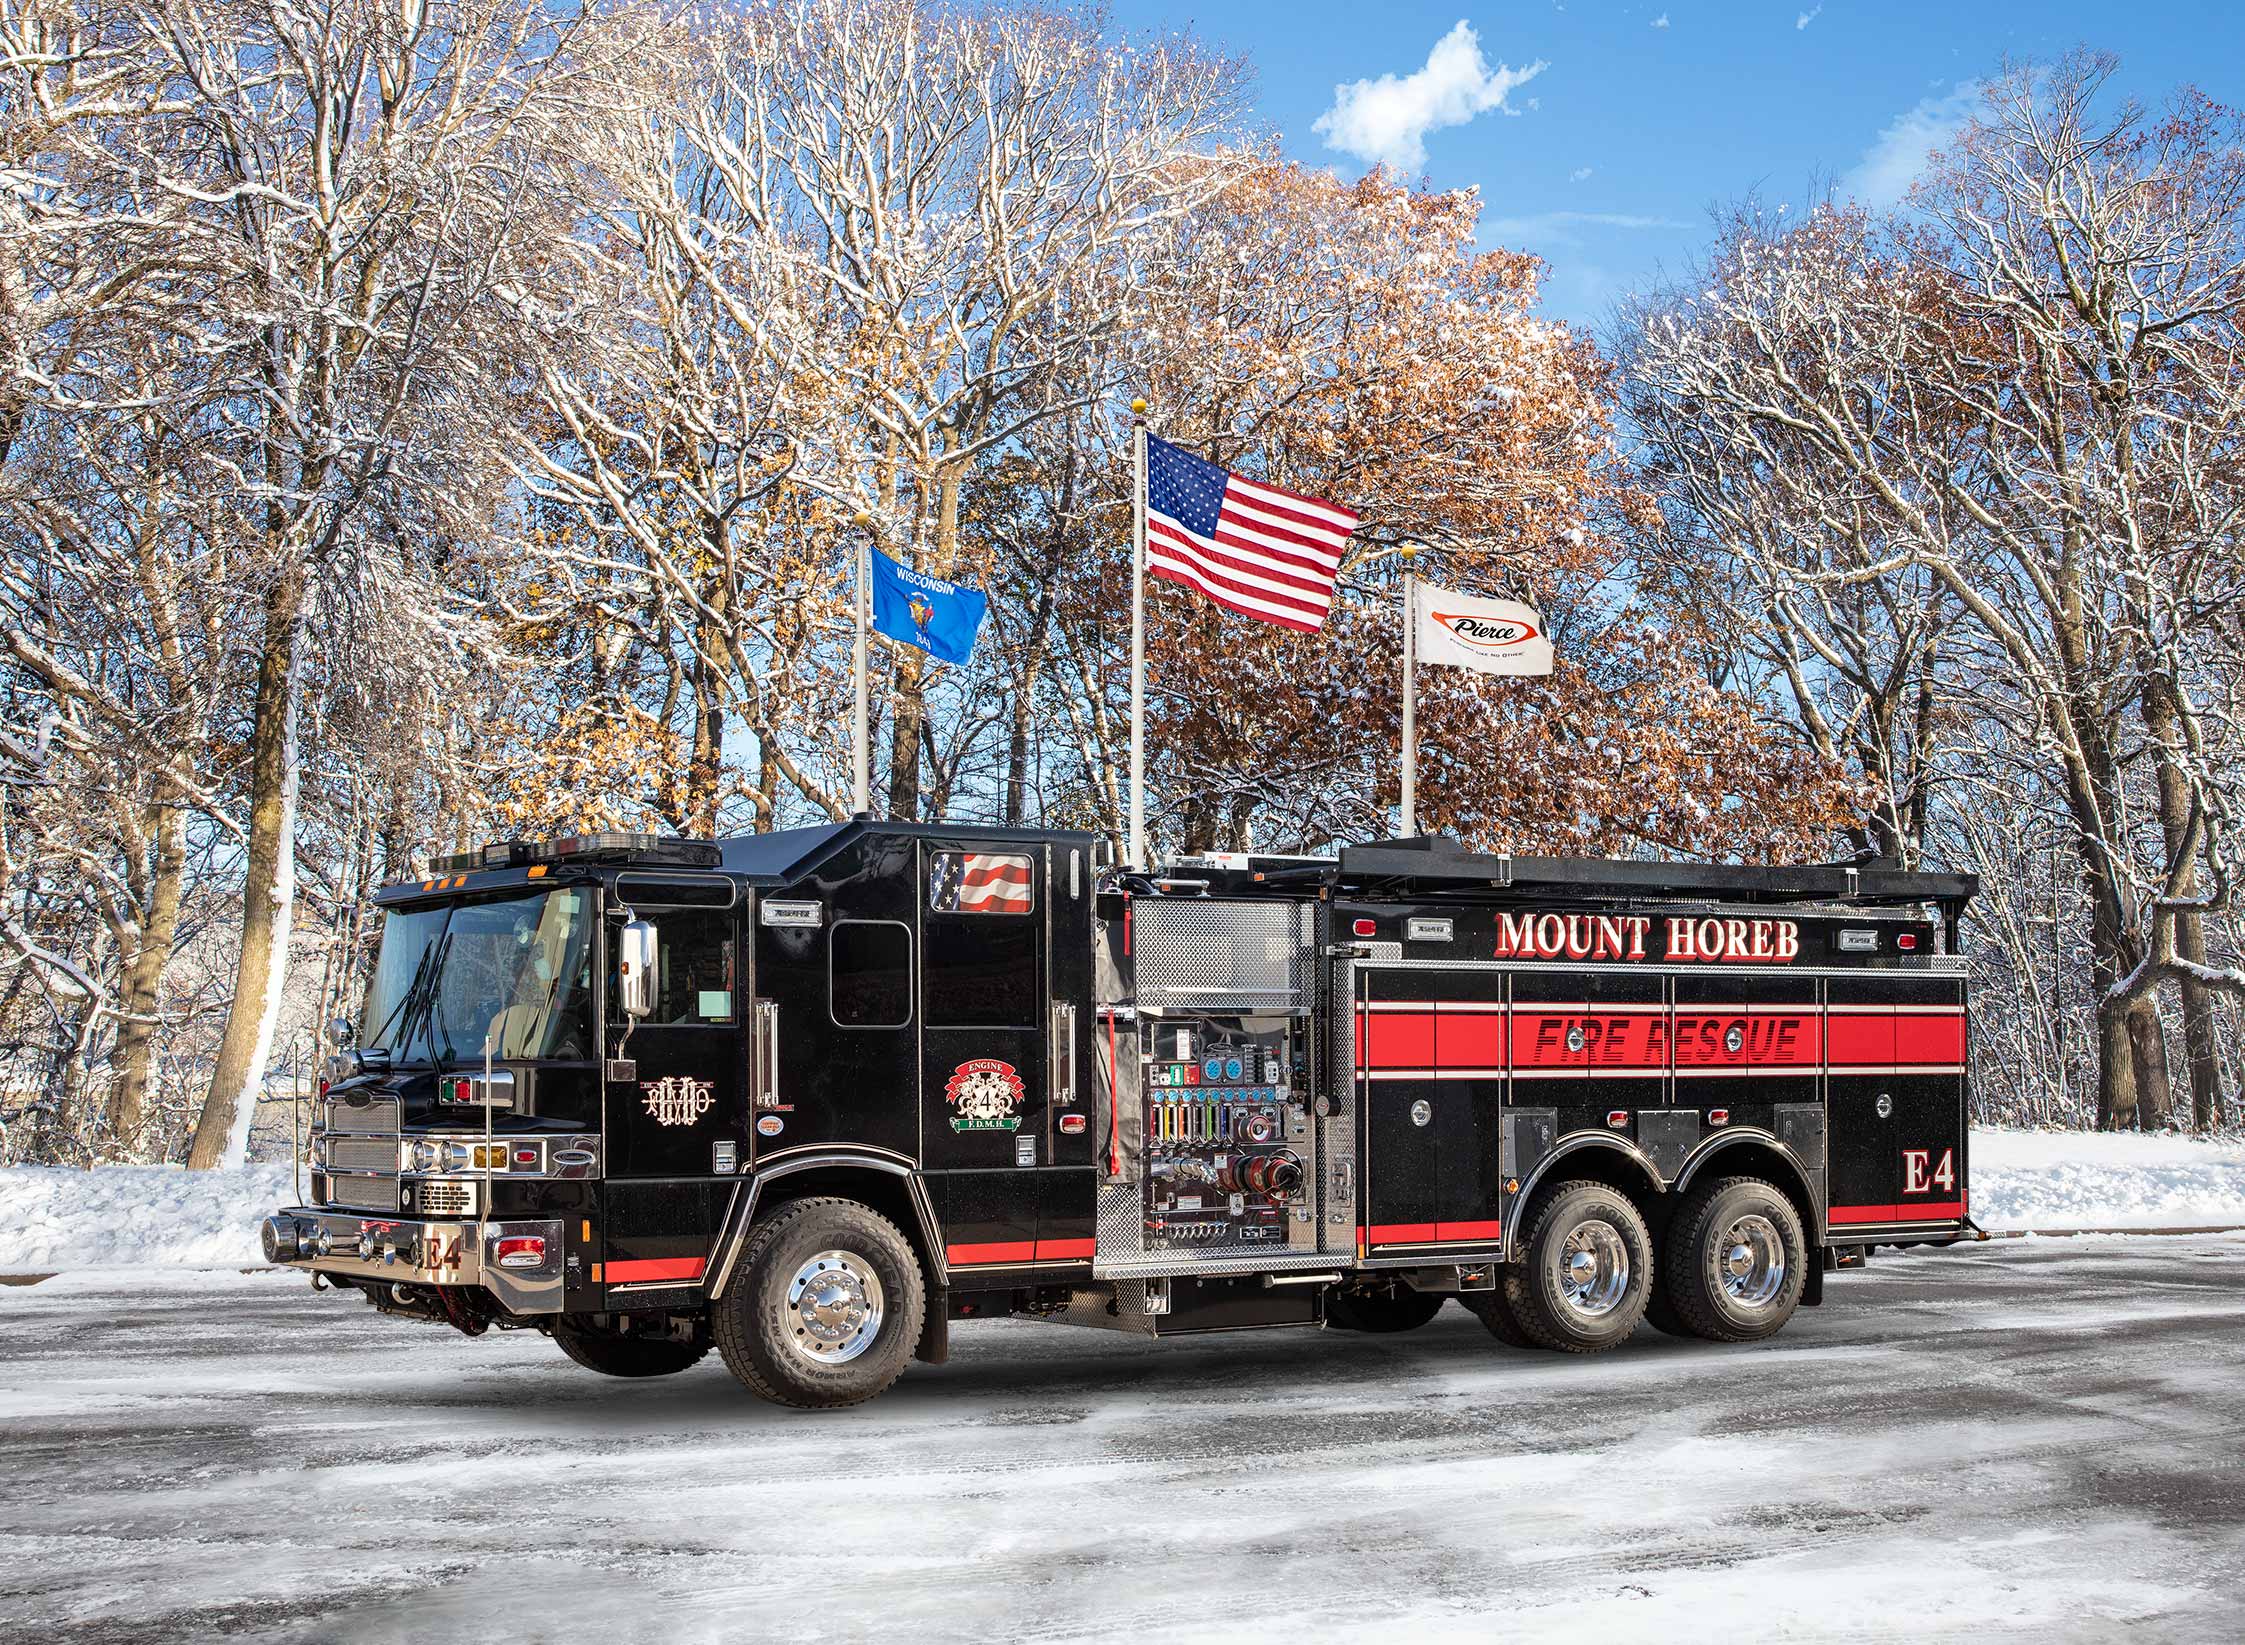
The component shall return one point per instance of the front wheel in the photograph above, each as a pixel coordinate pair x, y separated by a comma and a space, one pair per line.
825, 1306
1587, 1270
614, 1353
1737, 1261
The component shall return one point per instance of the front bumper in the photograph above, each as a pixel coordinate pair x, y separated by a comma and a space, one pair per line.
365, 1245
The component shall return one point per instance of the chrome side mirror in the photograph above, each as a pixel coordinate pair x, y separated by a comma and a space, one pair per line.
341, 1030
635, 968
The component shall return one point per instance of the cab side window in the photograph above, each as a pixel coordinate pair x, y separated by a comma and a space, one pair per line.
981, 965
694, 975
869, 974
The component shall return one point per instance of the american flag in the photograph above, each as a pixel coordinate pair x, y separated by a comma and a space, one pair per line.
980, 882
1250, 547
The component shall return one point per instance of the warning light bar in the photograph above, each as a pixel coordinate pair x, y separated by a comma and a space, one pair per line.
607, 845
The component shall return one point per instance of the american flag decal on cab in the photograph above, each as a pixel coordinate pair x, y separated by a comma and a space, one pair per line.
980, 882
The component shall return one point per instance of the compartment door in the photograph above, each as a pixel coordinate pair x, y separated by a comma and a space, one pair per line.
1431, 1064
1896, 1049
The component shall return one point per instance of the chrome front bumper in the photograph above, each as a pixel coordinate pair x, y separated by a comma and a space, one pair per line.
403, 1251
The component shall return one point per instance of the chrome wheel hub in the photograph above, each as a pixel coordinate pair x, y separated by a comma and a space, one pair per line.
1593, 1269
1751, 1261
836, 1306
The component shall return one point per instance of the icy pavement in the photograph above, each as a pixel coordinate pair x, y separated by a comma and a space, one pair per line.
2031, 1440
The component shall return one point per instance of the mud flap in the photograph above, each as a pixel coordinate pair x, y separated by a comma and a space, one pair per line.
934, 1346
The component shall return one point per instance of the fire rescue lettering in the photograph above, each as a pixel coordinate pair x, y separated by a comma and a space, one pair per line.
676, 1100
1622, 937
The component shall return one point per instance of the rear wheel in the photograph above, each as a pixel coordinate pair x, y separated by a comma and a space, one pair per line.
1737, 1260
615, 1353
1586, 1271
1390, 1308
825, 1306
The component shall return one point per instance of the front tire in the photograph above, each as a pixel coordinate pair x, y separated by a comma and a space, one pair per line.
1737, 1260
824, 1308
615, 1354
1493, 1311
1586, 1273
1398, 1308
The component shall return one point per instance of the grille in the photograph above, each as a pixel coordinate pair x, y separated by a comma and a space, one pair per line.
377, 1117
363, 1193
363, 1154
448, 1199
1208, 954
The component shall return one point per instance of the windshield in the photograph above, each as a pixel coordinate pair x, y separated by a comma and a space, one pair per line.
520, 969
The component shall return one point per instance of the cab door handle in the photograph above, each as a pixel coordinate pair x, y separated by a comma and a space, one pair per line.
1062, 1052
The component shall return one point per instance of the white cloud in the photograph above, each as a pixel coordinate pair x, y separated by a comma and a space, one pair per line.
1561, 229
1661, 21
1386, 120
1808, 17
1890, 165
1581, 174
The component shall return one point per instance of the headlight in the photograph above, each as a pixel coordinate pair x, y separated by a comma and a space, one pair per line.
456, 1156
424, 1156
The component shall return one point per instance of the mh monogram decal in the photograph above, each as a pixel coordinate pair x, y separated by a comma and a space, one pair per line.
676, 1100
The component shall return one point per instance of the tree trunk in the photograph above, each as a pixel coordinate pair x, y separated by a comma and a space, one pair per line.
144, 977
268, 890
906, 707
2200, 1040
2147, 1042
2201, 1034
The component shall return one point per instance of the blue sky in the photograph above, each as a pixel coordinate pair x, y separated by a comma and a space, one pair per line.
1606, 159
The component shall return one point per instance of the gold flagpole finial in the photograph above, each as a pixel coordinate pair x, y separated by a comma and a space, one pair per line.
1138, 408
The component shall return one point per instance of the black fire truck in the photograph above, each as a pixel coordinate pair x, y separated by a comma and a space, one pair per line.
812, 1096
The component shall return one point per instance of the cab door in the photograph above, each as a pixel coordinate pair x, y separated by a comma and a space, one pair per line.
684, 1110
985, 1008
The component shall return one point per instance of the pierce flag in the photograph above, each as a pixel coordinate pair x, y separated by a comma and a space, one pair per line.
1493, 636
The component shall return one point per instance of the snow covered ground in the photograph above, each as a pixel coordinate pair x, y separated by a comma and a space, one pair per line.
130, 1216
2028, 1441
117, 1216
2087, 1179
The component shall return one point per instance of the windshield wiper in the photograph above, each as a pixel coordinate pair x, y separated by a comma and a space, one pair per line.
424, 971
429, 990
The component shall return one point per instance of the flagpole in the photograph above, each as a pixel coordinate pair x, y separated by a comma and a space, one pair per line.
1410, 692
1138, 634
861, 762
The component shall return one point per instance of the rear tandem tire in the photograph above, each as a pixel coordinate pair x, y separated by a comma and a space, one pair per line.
1737, 1260
1396, 1309
1586, 1269
825, 1307
615, 1354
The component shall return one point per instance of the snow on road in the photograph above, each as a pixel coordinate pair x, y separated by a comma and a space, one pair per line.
2017, 1442
125, 1216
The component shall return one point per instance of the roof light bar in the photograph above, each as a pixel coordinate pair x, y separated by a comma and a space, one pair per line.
606, 845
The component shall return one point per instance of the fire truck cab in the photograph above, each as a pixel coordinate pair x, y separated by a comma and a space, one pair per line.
809, 1097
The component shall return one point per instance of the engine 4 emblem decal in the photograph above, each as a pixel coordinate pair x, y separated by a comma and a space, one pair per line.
985, 1095
676, 1100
